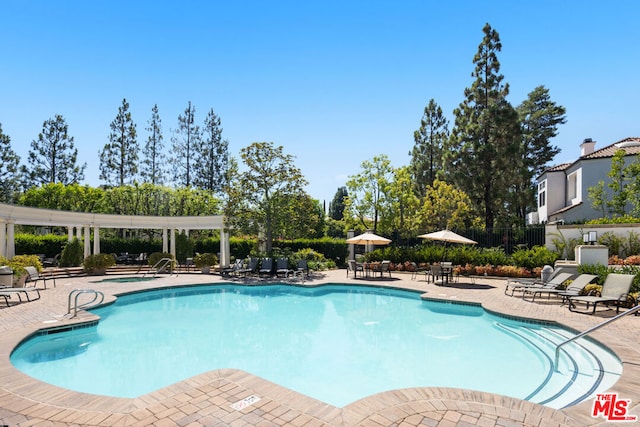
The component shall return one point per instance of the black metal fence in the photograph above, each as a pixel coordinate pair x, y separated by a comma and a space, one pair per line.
509, 239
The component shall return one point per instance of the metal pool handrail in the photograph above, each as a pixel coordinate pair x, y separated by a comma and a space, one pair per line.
98, 297
161, 265
588, 331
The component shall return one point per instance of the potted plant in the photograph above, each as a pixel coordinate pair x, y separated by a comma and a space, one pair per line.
97, 264
18, 264
205, 261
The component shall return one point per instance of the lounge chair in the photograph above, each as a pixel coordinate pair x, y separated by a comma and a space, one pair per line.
34, 276
250, 268
266, 267
553, 283
282, 267
615, 289
27, 292
6, 297
303, 267
573, 289
233, 270
352, 266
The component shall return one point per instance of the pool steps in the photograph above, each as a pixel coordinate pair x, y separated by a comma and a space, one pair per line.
581, 369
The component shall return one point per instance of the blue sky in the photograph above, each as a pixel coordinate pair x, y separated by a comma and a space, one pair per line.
334, 82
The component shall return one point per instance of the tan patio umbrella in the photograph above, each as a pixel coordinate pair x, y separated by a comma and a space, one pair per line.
368, 238
447, 236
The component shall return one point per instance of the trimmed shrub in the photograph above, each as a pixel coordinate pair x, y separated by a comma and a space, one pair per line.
72, 254
97, 263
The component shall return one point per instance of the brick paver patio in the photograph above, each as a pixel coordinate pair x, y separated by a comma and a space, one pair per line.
205, 400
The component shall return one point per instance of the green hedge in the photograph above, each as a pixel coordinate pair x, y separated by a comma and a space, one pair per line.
332, 248
49, 244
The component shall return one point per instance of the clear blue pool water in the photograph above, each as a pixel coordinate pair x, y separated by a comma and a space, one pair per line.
335, 343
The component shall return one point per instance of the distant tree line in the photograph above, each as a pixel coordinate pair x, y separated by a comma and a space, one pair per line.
198, 156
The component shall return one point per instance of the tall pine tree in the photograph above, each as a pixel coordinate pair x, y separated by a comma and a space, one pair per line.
539, 119
484, 143
426, 155
213, 157
53, 158
119, 158
185, 140
152, 169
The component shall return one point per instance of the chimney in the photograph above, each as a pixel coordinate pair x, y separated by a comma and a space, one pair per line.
587, 147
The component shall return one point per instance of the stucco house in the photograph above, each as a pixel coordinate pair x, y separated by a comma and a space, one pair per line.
563, 189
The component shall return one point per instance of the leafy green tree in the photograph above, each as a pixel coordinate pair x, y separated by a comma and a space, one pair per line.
445, 207
152, 169
426, 155
337, 205
213, 157
52, 157
618, 203
484, 144
9, 170
255, 196
119, 157
147, 199
598, 197
539, 118
633, 187
367, 191
300, 217
401, 205
185, 140
71, 197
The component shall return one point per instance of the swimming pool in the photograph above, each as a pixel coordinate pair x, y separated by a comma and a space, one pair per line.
335, 343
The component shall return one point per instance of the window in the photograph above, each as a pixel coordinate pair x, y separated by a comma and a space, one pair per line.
572, 187
542, 194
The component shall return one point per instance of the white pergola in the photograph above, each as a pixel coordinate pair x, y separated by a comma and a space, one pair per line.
83, 222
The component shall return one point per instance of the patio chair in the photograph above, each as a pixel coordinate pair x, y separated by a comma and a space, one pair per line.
282, 267
352, 266
34, 276
419, 270
553, 283
266, 267
573, 289
382, 268
436, 273
615, 289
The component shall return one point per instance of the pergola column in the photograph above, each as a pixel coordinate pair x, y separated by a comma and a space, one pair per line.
11, 242
3, 239
96, 239
87, 241
165, 240
70, 233
79, 232
225, 259
173, 242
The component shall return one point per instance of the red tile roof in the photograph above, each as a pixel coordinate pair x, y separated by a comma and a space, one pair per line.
630, 145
